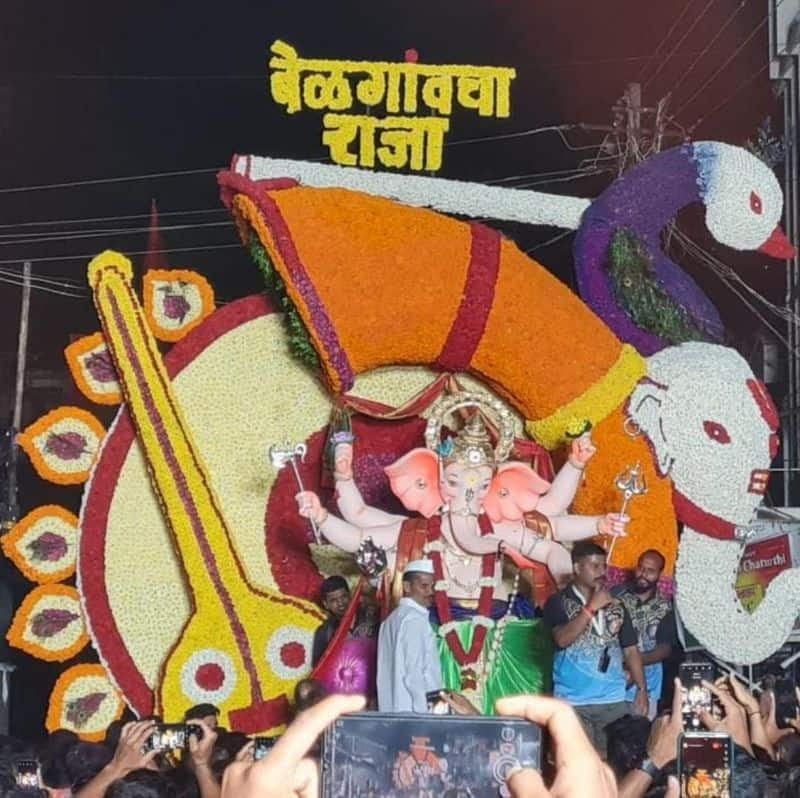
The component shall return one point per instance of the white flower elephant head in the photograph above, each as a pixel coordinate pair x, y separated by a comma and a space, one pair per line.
712, 429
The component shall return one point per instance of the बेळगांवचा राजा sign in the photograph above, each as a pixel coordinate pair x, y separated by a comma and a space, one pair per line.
400, 139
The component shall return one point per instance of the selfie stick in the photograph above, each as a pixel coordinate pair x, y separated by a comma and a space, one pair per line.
632, 483
280, 456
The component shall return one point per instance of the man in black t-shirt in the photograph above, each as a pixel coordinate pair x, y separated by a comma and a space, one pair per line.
335, 598
653, 618
595, 644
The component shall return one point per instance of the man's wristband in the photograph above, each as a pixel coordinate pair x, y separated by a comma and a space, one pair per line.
650, 768
589, 611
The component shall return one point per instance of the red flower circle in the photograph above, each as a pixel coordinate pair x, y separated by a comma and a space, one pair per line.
209, 676
293, 655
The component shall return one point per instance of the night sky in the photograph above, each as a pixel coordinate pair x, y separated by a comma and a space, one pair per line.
91, 91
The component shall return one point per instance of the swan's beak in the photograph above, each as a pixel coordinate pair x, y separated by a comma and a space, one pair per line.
778, 246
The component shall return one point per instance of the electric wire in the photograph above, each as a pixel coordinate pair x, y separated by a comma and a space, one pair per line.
88, 257
664, 40
553, 240
744, 84
725, 64
672, 52
106, 180
738, 286
74, 236
90, 219
697, 60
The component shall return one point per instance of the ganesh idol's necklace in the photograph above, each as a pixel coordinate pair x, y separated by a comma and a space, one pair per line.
453, 555
467, 660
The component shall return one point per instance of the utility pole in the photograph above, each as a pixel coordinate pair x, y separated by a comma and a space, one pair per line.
12, 505
627, 138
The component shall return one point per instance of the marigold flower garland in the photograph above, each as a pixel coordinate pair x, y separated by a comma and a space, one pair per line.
49, 624
92, 369
62, 445
43, 544
84, 701
176, 301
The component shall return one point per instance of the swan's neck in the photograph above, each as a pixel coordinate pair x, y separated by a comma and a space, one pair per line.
648, 197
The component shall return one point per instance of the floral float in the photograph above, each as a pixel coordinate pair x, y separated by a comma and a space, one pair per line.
488, 304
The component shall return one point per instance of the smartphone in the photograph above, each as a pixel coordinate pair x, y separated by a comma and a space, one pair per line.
26, 774
166, 737
375, 753
785, 701
262, 746
696, 698
193, 730
781, 683
436, 703
705, 763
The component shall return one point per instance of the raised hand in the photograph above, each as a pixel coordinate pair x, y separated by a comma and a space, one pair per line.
202, 749
309, 506
774, 733
579, 770
582, 450
286, 771
662, 745
343, 461
613, 524
735, 720
129, 754
600, 599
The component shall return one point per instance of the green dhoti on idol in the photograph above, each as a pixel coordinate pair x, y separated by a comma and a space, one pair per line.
477, 511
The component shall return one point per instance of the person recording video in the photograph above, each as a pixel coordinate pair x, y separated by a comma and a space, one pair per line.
596, 643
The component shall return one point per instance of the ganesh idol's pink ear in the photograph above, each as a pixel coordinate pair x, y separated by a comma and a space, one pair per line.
415, 481
515, 490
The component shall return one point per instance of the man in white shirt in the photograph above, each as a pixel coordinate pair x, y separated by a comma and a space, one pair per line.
408, 661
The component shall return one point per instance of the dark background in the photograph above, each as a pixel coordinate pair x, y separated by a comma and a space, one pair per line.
94, 91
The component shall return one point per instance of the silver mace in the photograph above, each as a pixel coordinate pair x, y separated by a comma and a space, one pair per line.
632, 483
280, 456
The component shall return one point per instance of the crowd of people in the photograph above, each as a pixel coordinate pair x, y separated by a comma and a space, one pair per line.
608, 730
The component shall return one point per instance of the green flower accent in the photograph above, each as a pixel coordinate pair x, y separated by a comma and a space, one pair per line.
299, 340
639, 292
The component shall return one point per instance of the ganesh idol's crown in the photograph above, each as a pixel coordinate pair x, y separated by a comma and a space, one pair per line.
472, 445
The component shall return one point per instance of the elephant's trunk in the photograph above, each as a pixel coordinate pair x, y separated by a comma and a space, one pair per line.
710, 609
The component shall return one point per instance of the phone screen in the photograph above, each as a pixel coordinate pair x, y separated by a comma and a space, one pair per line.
167, 737
704, 765
27, 774
376, 754
696, 698
262, 746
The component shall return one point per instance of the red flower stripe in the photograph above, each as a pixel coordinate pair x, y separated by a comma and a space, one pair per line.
476, 302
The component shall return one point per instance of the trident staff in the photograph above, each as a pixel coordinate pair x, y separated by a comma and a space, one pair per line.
286, 454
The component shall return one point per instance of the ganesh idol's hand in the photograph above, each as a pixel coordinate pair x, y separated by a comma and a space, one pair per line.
309, 506
343, 461
581, 451
613, 524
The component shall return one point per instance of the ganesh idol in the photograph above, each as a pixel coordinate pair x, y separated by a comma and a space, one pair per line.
473, 508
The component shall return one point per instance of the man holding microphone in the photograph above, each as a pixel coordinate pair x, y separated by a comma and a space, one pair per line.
595, 644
